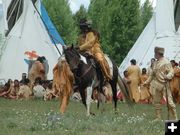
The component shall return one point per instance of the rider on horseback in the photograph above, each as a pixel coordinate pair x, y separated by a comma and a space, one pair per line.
89, 42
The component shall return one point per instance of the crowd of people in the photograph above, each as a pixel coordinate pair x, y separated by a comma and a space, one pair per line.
135, 77
24, 89
159, 83
33, 84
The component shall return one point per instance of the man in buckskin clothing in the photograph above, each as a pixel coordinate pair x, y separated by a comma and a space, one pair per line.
89, 42
161, 74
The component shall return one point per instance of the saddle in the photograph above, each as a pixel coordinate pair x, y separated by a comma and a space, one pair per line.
96, 64
90, 59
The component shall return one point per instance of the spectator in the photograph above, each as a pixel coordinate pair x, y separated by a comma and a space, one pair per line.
24, 90
38, 89
134, 73
37, 70
175, 86
144, 90
24, 77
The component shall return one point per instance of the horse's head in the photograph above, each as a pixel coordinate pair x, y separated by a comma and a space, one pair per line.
73, 57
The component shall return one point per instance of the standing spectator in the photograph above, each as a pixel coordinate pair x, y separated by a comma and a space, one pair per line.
162, 73
149, 72
145, 94
134, 73
37, 70
150, 68
175, 88
127, 83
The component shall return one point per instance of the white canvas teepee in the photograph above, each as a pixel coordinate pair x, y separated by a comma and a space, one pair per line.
160, 31
1, 18
27, 39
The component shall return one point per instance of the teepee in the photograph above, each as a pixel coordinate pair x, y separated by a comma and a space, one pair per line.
1, 18
160, 31
28, 33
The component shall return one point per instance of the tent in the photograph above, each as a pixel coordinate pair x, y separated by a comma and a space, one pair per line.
28, 33
160, 31
1, 18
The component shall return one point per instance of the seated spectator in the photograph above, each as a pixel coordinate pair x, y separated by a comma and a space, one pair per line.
13, 90
38, 89
24, 90
50, 93
6, 89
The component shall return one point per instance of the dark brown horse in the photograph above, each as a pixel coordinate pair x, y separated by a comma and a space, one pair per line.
88, 77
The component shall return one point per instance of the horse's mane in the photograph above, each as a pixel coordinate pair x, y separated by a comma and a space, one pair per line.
71, 50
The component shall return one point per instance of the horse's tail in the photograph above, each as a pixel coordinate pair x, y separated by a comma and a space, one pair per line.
124, 89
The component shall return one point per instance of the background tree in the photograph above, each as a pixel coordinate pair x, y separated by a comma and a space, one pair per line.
61, 15
146, 13
118, 22
80, 14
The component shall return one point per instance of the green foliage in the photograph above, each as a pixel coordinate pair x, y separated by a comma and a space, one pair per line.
80, 14
61, 15
146, 13
118, 22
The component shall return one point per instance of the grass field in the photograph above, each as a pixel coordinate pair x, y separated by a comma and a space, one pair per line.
37, 117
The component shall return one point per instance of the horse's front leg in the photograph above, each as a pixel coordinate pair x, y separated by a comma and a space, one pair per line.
83, 96
88, 99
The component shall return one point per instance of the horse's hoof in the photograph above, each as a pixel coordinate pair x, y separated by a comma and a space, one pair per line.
93, 114
103, 110
116, 112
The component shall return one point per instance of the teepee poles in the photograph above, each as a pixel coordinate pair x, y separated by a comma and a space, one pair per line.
47, 30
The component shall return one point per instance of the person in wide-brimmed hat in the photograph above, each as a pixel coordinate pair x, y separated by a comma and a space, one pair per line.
89, 42
161, 74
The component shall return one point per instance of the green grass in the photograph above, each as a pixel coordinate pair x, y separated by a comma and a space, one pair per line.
33, 117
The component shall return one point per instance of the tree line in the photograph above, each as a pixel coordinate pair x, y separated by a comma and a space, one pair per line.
119, 22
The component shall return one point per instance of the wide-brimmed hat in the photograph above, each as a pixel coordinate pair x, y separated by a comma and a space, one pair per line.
159, 50
85, 23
